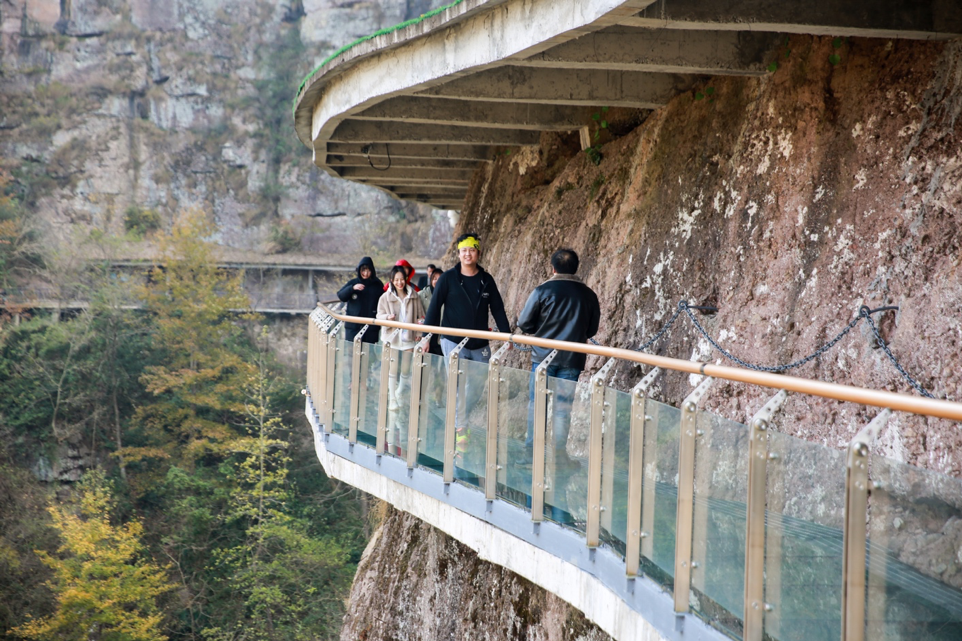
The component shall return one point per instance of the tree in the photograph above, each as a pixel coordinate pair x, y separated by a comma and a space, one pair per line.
105, 590
197, 388
280, 581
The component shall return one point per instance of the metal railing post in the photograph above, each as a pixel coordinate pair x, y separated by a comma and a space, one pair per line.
491, 450
686, 495
311, 361
595, 444
414, 416
540, 427
355, 386
854, 536
387, 356
754, 621
451, 413
636, 470
330, 359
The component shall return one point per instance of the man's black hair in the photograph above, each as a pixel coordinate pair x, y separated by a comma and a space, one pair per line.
463, 236
432, 266
565, 261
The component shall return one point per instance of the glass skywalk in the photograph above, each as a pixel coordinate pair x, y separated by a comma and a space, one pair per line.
762, 534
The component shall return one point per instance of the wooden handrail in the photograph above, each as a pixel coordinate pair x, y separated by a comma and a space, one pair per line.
848, 393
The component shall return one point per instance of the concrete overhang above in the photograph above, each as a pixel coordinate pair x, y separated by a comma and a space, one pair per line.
416, 110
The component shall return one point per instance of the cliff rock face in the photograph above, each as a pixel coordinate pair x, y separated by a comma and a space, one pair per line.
113, 108
788, 201
414, 582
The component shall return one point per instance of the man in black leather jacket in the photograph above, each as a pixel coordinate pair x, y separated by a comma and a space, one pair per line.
361, 295
561, 308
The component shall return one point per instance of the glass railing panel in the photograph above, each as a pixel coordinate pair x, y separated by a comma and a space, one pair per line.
615, 447
914, 586
370, 391
514, 407
660, 492
718, 529
566, 453
343, 358
470, 438
803, 540
431, 416
399, 402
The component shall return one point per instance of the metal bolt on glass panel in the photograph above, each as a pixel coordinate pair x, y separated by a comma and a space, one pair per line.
686, 495
450, 434
417, 376
357, 350
387, 356
491, 446
854, 536
754, 620
595, 432
540, 427
636, 469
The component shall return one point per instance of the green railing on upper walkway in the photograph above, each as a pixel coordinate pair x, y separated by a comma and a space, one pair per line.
379, 32
761, 533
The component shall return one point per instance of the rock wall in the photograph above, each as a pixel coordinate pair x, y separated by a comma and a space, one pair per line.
113, 108
788, 201
416, 583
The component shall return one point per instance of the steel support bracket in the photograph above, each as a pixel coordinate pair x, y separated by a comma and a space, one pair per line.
595, 443
636, 470
855, 534
754, 620
491, 442
451, 411
356, 350
387, 357
686, 495
540, 427
414, 415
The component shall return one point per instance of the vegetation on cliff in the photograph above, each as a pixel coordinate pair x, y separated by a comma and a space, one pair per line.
196, 499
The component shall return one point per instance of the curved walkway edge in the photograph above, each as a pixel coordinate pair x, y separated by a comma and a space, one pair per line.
591, 580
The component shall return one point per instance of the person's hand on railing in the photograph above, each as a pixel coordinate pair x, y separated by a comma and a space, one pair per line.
391, 316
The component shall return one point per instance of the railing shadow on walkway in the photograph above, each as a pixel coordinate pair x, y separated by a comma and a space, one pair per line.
757, 533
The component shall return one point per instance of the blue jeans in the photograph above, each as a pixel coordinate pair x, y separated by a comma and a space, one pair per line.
561, 416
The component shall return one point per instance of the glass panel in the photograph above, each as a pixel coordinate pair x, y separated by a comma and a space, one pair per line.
659, 506
566, 453
803, 540
370, 389
343, 358
470, 445
434, 385
718, 530
399, 402
616, 443
514, 477
914, 562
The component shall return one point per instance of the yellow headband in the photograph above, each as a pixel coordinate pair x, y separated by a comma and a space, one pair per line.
470, 241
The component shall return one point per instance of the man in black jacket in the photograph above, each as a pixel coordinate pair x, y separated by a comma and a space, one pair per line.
361, 295
467, 294
562, 308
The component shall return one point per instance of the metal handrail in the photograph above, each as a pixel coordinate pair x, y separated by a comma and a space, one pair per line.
876, 398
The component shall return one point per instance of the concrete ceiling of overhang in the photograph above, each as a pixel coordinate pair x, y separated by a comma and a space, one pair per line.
414, 112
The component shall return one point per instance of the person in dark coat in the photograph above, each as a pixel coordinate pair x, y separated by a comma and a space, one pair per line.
361, 295
562, 308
